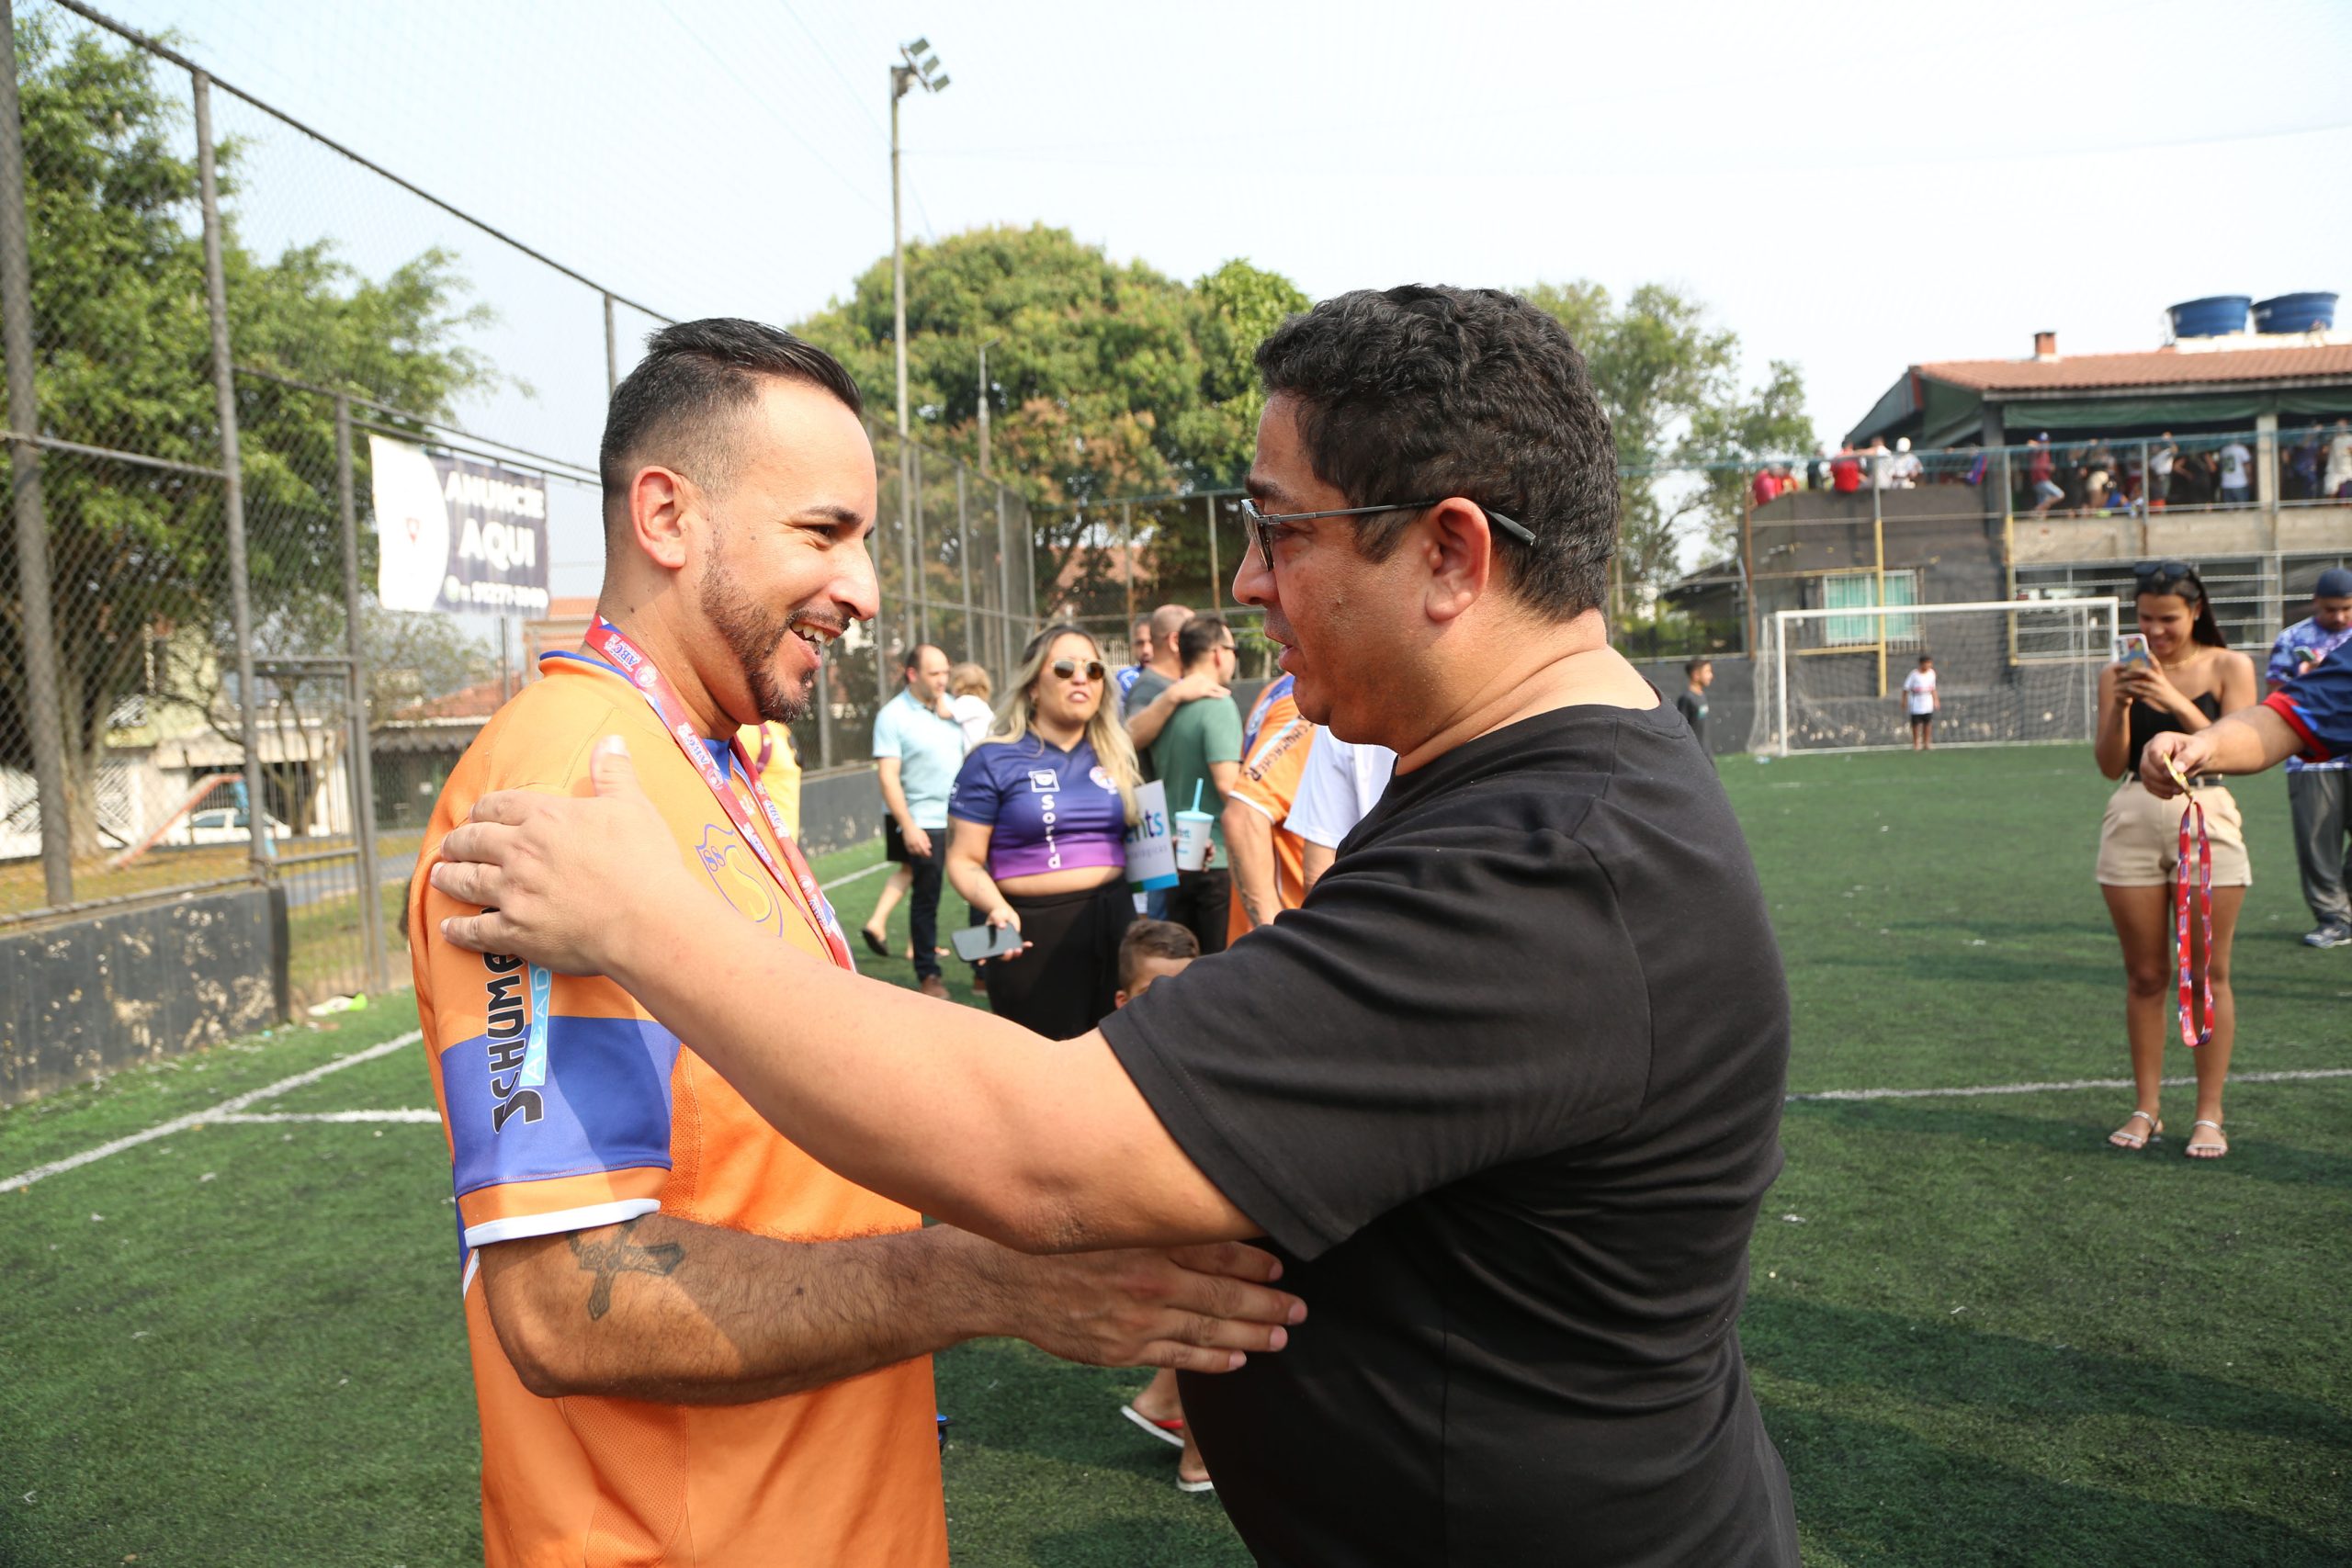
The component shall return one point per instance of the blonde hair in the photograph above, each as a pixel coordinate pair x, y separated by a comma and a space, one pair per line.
1016, 718
968, 680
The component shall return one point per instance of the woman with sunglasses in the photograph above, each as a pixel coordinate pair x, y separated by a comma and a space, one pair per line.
1037, 826
2190, 677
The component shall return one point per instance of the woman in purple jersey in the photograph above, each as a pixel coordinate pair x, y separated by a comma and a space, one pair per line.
1037, 822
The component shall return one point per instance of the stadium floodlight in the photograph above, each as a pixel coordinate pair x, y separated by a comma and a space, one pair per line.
919, 67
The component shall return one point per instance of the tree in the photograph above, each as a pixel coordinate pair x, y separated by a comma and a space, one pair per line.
1107, 381
125, 362
1669, 380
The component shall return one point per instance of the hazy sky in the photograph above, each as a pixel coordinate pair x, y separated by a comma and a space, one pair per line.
1853, 187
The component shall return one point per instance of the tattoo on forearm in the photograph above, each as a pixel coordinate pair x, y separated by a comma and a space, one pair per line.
609, 1257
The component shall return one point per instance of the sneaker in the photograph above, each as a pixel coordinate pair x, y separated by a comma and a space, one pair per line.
2329, 935
932, 985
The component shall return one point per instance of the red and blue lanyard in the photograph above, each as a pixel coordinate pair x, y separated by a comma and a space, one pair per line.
608, 642
2196, 863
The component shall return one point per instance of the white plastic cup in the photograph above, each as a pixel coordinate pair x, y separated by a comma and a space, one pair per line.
1193, 842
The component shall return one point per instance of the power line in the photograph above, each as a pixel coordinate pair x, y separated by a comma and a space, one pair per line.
762, 99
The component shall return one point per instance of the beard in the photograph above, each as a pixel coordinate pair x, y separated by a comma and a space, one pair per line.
752, 634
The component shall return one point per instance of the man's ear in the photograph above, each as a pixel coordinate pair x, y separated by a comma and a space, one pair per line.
1457, 547
659, 501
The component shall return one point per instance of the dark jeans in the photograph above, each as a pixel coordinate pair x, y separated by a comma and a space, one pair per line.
2320, 797
1199, 902
922, 897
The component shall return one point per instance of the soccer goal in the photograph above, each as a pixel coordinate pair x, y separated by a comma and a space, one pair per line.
2008, 672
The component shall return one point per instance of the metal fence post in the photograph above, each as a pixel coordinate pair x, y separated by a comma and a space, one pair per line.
363, 769
919, 574
233, 491
1004, 593
964, 555
43, 712
612, 350
1216, 584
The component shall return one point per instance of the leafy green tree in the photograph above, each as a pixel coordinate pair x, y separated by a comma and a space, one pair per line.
138, 554
1107, 381
1668, 378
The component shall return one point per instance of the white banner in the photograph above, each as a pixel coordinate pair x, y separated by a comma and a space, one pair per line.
456, 534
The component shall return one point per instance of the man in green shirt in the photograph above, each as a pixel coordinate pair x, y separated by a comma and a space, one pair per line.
1200, 749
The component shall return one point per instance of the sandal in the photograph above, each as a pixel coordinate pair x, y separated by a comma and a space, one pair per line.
2214, 1148
2124, 1138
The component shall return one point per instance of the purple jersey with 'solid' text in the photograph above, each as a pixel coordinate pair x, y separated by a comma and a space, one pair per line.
1051, 809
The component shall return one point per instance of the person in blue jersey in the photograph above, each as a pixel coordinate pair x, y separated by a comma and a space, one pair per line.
2320, 792
1038, 823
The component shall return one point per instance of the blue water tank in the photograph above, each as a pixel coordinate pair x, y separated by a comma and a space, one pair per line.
2295, 313
2216, 316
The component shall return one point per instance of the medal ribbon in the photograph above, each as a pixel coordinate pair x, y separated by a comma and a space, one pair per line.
2196, 982
607, 640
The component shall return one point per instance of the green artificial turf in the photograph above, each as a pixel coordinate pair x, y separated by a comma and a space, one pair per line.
1979, 1334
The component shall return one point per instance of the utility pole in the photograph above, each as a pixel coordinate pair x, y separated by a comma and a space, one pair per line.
984, 403
919, 68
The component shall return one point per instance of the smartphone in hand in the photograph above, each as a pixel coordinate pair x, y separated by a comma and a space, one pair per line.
2132, 648
974, 943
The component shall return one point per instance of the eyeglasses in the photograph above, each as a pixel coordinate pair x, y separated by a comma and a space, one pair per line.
1265, 527
1067, 669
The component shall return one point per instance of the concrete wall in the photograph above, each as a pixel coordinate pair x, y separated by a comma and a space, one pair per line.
86, 997
1731, 701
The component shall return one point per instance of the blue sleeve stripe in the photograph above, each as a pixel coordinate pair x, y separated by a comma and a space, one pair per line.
605, 1104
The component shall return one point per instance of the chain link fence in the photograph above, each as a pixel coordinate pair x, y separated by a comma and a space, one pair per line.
209, 309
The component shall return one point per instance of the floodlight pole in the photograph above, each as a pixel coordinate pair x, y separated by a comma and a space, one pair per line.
913, 70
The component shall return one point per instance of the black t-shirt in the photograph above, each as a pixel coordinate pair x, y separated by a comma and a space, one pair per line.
1693, 707
1505, 1095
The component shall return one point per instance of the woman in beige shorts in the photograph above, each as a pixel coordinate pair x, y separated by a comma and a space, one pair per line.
2194, 680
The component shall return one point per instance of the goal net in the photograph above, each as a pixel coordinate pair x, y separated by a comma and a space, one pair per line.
2006, 672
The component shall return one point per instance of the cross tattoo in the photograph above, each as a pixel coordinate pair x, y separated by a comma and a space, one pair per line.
610, 1257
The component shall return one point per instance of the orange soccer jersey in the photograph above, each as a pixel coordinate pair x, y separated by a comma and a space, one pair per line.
1274, 746
568, 1106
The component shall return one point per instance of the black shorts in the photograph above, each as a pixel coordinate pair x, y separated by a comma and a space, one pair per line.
894, 843
1922, 720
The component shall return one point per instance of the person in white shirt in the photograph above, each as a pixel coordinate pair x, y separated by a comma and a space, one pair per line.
1343, 781
2160, 471
2237, 475
1921, 701
969, 690
2336, 482
1907, 467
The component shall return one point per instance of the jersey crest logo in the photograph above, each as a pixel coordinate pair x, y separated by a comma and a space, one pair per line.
739, 877
1103, 779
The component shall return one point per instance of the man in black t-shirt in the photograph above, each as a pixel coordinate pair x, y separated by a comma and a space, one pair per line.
1698, 675
1503, 1093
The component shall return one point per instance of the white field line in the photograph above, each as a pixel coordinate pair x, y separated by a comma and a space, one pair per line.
278, 1118
853, 876
2300, 1075
226, 1108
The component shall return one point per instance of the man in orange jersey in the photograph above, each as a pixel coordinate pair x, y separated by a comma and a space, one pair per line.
690, 1341
1268, 876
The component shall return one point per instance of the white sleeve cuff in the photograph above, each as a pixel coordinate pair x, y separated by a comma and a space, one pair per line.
555, 1222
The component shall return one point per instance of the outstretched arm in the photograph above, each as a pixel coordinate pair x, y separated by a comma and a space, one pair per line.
666, 1309
1047, 1145
2247, 742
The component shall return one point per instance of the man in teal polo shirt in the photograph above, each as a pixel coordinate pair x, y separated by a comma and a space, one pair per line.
1198, 756
918, 746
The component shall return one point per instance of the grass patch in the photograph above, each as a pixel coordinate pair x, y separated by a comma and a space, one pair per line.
1979, 1334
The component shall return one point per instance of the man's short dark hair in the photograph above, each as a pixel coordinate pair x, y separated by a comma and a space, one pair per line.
1693, 667
1201, 635
1420, 393
1147, 940
913, 660
680, 405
